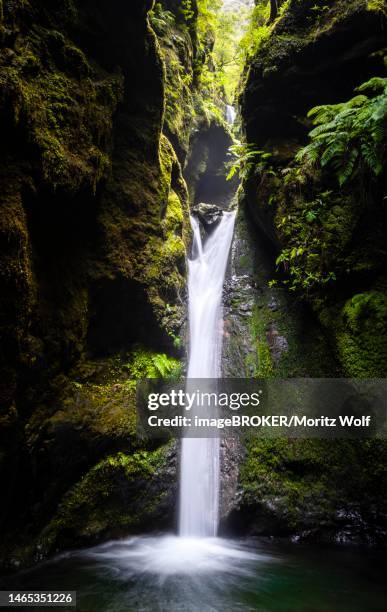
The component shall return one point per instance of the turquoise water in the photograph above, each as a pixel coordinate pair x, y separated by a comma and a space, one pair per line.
175, 574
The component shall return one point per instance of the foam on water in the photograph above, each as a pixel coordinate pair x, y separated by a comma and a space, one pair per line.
172, 555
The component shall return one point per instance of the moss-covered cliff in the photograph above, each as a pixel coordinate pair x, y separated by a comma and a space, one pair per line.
93, 234
195, 113
328, 228
323, 221
98, 107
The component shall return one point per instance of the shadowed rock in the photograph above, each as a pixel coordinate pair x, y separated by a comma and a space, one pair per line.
209, 216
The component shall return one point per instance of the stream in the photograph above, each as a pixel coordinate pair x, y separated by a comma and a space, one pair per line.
168, 573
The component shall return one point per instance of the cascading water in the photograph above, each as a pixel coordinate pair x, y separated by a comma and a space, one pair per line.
151, 567
230, 114
145, 572
199, 474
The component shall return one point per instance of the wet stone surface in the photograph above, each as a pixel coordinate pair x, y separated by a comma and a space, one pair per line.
240, 295
209, 216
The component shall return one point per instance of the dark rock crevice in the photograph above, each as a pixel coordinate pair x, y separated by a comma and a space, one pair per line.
206, 167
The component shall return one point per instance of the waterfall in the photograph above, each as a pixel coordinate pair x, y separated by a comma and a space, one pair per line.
199, 473
230, 114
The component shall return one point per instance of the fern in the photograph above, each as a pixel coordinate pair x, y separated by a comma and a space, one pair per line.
376, 84
350, 135
345, 171
245, 157
165, 367
144, 363
160, 19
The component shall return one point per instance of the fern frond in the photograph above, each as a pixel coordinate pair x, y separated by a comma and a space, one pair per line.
310, 152
322, 114
346, 172
371, 157
350, 135
335, 149
357, 101
376, 84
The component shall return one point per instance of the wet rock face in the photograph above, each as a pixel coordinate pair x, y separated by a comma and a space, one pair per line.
240, 293
209, 216
238, 358
231, 456
238, 339
277, 343
274, 516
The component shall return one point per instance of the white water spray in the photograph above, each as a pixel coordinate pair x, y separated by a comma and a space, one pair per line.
230, 114
199, 474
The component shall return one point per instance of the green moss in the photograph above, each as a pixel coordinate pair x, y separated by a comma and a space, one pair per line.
18, 285
327, 247
287, 339
331, 245
144, 222
177, 48
361, 337
99, 397
307, 354
379, 6
165, 253
265, 368
179, 102
319, 233
79, 212
303, 483
116, 495
68, 114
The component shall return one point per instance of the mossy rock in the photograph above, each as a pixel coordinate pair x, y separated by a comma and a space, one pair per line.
361, 337
304, 489
93, 412
63, 106
120, 495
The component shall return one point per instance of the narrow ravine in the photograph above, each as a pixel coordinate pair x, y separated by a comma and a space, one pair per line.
195, 570
192, 190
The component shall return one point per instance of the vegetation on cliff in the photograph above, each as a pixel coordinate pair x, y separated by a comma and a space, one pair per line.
321, 204
313, 186
94, 227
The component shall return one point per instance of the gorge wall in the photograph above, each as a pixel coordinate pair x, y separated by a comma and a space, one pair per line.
94, 228
339, 257
322, 310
